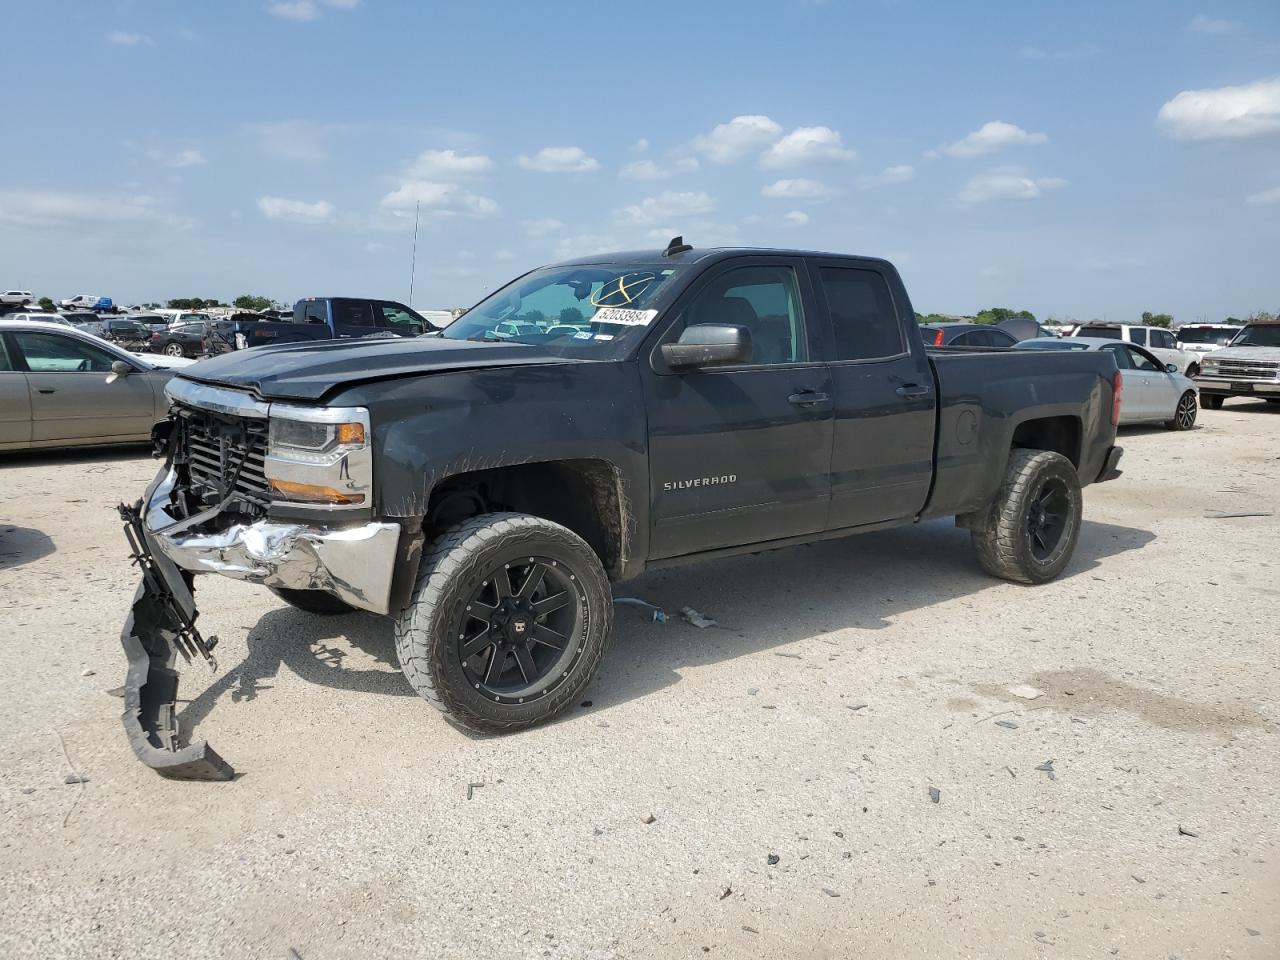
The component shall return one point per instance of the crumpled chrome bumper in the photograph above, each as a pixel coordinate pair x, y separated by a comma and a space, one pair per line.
355, 564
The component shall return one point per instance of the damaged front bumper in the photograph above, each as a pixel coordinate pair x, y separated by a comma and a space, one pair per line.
354, 563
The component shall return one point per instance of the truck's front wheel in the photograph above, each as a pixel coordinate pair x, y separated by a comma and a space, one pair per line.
1029, 531
509, 619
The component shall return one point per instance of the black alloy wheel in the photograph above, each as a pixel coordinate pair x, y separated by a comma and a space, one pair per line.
1047, 518
518, 632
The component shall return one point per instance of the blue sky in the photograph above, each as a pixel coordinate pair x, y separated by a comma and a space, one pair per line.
1077, 159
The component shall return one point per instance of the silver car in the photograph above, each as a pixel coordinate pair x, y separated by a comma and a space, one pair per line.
1154, 392
60, 387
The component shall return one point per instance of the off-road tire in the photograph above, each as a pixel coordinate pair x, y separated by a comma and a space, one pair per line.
1000, 533
1210, 401
313, 601
1184, 417
426, 642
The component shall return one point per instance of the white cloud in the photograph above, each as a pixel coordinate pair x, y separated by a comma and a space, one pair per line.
901, 173
54, 208
559, 160
584, 243
797, 218
730, 142
300, 10
797, 189
448, 165
1201, 23
305, 10
296, 139
176, 159
1223, 113
295, 211
807, 145
124, 38
504, 255
652, 170
1266, 196
667, 206
1006, 185
444, 199
990, 137
640, 146
540, 228
1083, 51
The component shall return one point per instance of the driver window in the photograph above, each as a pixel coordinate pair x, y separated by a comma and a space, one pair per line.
1123, 359
1143, 362
765, 300
50, 353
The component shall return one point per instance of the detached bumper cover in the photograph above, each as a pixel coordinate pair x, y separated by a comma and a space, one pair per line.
354, 563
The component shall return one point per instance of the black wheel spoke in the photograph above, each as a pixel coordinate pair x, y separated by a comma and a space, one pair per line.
473, 646
480, 611
550, 605
532, 581
548, 637
524, 660
502, 583
496, 665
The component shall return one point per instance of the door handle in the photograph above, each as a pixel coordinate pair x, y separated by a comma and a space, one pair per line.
913, 390
807, 398
46, 390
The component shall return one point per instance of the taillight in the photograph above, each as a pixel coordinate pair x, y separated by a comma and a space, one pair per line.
1117, 394
938, 337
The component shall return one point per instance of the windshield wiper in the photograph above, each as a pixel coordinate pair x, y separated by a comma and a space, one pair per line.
484, 338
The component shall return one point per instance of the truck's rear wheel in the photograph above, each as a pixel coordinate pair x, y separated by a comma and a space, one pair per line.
1029, 531
1211, 401
509, 619
312, 601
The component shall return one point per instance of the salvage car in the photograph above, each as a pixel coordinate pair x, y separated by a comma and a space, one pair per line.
484, 491
1154, 392
1248, 367
61, 388
129, 334
185, 340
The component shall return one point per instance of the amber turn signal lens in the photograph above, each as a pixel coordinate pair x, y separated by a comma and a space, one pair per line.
351, 433
313, 493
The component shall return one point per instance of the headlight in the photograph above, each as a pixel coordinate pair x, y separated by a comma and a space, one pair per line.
313, 442
319, 455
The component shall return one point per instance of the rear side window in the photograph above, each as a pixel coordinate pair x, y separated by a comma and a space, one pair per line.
862, 315
352, 313
999, 338
1163, 339
6, 365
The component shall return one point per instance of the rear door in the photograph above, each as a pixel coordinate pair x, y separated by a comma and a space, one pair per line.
741, 454
15, 403
70, 396
351, 318
882, 458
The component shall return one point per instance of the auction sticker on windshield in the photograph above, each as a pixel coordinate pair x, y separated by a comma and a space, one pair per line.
624, 317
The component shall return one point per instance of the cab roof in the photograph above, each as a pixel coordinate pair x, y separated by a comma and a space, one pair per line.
705, 255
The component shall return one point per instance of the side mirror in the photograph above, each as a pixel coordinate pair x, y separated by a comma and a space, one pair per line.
709, 345
118, 369
1171, 368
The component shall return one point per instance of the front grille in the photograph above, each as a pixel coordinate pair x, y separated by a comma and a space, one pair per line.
1249, 369
219, 450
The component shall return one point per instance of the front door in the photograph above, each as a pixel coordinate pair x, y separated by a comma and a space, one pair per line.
882, 461
15, 404
742, 454
70, 396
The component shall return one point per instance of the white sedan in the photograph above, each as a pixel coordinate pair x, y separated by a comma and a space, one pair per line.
1154, 392
60, 387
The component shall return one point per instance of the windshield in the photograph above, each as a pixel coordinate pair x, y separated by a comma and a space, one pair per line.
1261, 335
1050, 345
589, 311
1206, 335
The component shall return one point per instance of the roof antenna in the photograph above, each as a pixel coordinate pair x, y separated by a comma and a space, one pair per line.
677, 245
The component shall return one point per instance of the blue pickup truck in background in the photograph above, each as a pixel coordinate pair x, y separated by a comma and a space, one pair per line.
322, 318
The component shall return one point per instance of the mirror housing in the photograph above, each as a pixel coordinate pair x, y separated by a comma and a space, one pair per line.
1170, 368
709, 345
118, 369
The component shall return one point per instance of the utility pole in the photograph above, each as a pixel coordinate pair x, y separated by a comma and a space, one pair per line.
413, 262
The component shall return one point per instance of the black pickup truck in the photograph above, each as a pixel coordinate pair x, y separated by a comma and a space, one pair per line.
484, 488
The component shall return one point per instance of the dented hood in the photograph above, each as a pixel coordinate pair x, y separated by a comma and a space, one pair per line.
308, 371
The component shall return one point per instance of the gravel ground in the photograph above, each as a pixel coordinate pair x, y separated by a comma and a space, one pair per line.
847, 681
